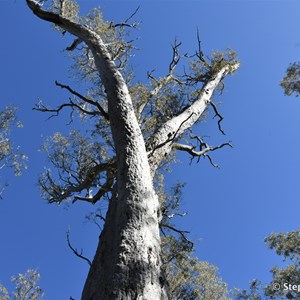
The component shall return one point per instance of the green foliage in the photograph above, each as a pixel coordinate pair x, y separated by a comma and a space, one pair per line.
67, 8
191, 279
221, 59
203, 69
291, 81
26, 287
187, 277
9, 155
72, 156
255, 293
3, 293
287, 245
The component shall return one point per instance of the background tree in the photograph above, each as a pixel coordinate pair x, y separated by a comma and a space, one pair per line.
287, 245
9, 155
26, 287
291, 81
136, 130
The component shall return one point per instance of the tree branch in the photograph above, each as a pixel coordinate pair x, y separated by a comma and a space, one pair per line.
75, 251
74, 45
110, 76
125, 23
92, 102
42, 108
105, 188
171, 137
190, 149
195, 110
217, 114
181, 232
164, 81
58, 193
203, 149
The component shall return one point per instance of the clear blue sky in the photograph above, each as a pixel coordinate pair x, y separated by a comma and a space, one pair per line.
231, 210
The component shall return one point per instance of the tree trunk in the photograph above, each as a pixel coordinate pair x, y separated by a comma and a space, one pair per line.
127, 261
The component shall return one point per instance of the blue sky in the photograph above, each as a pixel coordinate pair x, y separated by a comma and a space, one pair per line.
231, 210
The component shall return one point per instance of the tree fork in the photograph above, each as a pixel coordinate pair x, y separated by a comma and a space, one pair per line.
127, 264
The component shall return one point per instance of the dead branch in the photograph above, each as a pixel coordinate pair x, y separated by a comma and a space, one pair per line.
181, 232
204, 148
125, 23
175, 215
60, 193
163, 81
191, 149
85, 99
199, 52
217, 114
75, 251
74, 45
73, 105
105, 188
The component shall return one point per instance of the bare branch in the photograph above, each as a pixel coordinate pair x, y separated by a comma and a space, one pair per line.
75, 251
42, 108
58, 193
181, 232
125, 23
92, 102
190, 149
133, 14
175, 215
203, 149
164, 81
105, 188
217, 114
200, 53
74, 45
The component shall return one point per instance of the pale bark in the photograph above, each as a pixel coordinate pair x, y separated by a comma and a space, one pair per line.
127, 263
160, 144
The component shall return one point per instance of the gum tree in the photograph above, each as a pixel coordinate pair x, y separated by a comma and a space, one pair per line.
137, 128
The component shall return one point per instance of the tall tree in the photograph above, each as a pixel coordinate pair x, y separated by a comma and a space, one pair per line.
137, 128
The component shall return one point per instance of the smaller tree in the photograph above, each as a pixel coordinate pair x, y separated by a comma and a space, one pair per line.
9, 155
191, 279
291, 81
26, 287
287, 245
